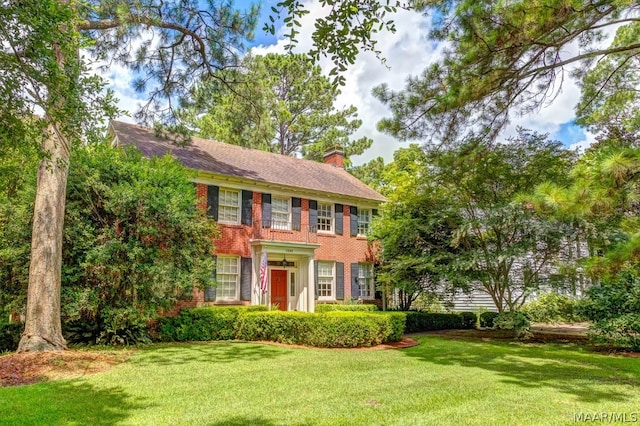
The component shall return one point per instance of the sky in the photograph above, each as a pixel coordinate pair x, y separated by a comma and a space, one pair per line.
408, 52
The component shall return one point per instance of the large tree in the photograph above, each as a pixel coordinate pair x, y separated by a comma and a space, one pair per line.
513, 56
47, 86
279, 103
504, 247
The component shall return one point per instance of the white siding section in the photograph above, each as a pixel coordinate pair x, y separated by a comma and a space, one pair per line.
474, 301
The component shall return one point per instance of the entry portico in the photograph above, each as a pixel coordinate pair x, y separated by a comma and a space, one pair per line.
290, 275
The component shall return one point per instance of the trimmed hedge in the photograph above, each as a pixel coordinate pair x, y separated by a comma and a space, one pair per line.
331, 329
428, 321
330, 307
486, 319
469, 319
202, 324
10, 336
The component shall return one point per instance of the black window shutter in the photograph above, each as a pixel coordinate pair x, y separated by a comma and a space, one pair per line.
246, 266
374, 212
313, 215
340, 280
247, 207
210, 292
355, 289
339, 210
212, 201
353, 212
296, 213
266, 210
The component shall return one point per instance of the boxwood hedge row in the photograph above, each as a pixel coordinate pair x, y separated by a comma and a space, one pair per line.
329, 307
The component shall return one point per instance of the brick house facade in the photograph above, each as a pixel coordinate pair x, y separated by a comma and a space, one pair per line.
302, 222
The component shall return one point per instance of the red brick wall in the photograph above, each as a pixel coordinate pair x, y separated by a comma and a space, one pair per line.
234, 239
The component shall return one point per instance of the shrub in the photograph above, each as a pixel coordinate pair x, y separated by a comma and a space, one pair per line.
10, 336
623, 331
202, 324
329, 307
553, 308
428, 321
487, 318
469, 319
514, 321
614, 307
331, 329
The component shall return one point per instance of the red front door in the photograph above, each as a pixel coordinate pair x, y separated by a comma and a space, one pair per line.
279, 289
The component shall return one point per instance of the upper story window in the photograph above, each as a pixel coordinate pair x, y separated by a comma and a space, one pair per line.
326, 281
281, 213
365, 281
229, 206
325, 217
228, 277
364, 221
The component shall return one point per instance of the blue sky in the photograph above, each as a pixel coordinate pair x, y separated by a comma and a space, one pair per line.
408, 52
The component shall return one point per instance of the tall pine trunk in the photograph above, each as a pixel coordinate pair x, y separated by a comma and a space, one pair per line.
43, 328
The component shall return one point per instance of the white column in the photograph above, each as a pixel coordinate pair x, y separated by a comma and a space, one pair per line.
311, 287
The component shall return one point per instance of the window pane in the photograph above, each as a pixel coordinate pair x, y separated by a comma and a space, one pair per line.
365, 281
364, 220
227, 277
325, 279
229, 205
325, 217
280, 213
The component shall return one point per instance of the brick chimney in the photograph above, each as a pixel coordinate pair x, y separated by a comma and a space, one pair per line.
334, 156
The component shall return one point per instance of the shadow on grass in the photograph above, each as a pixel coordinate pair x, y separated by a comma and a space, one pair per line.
243, 421
63, 402
218, 352
565, 368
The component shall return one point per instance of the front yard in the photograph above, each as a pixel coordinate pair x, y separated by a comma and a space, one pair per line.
440, 381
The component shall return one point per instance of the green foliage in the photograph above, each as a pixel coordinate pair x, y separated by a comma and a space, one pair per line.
332, 329
10, 336
277, 103
426, 321
202, 324
614, 308
488, 69
469, 319
486, 319
518, 322
328, 307
553, 308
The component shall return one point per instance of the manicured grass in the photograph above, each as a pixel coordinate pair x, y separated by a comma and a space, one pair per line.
438, 382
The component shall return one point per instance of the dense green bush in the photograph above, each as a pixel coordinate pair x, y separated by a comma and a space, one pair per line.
517, 322
331, 329
469, 319
553, 308
202, 324
329, 307
486, 319
10, 336
614, 307
427, 321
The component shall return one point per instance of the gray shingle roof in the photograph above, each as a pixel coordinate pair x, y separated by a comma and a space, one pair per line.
232, 160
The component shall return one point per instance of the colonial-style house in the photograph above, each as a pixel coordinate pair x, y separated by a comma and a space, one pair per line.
293, 231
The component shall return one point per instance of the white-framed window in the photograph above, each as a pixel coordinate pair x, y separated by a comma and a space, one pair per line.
325, 217
281, 213
326, 281
229, 205
228, 277
365, 281
364, 221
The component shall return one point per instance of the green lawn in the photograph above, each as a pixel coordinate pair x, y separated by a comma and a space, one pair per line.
438, 382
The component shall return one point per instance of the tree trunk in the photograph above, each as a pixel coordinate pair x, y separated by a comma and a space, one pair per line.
43, 328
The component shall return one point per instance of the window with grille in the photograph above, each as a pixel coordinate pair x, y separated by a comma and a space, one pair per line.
365, 281
281, 213
228, 277
364, 221
325, 217
229, 206
325, 281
